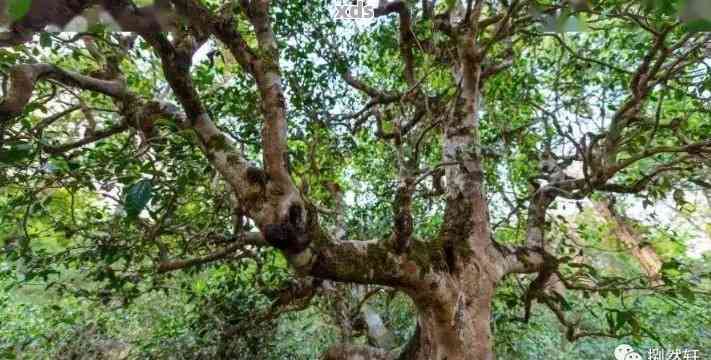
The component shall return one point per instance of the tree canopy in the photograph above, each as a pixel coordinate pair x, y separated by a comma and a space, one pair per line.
436, 179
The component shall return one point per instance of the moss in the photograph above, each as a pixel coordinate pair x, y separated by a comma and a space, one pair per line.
270, 59
376, 251
257, 176
428, 255
234, 159
217, 142
318, 236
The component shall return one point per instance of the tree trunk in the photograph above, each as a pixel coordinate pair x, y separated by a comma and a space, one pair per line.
356, 352
648, 259
454, 318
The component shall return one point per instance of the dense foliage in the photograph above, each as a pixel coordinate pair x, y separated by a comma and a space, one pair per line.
264, 181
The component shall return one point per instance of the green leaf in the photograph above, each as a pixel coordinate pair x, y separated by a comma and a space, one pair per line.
611, 322
137, 197
18, 8
623, 317
45, 40
687, 293
16, 153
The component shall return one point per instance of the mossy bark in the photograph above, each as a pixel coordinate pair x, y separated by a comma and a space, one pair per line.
454, 316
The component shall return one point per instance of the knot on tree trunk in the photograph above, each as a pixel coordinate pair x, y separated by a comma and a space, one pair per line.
289, 235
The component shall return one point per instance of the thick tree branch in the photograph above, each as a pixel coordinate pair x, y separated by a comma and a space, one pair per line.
462, 144
247, 182
266, 71
407, 36
23, 79
362, 262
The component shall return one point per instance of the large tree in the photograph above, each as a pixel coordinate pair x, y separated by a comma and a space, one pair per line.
422, 150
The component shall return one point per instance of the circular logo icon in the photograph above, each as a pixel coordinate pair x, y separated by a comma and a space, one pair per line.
633, 356
622, 352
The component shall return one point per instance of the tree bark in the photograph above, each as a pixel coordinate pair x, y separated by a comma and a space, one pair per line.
356, 352
454, 315
648, 259
454, 299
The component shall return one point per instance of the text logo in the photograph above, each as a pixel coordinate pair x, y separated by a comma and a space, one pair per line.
355, 10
